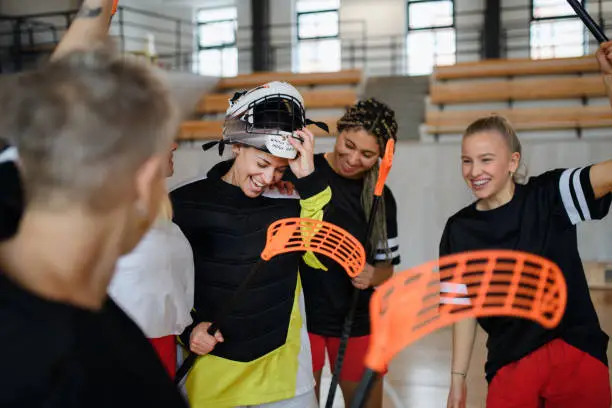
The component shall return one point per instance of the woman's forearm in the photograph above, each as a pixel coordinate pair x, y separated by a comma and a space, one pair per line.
382, 272
607, 78
464, 335
601, 178
90, 26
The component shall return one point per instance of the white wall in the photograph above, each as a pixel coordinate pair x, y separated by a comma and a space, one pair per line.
383, 19
427, 185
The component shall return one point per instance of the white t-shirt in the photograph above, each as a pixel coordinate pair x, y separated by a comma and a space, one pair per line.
154, 283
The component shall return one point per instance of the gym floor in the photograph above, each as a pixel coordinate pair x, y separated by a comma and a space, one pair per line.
420, 376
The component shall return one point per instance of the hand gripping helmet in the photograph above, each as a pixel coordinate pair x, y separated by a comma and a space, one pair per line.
265, 118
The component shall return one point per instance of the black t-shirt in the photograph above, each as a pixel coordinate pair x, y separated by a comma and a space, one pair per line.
541, 219
55, 355
328, 293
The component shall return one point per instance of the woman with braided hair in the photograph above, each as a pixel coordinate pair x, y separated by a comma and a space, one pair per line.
351, 170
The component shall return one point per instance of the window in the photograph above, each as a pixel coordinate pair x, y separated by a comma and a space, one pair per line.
555, 31
431, 35
319, 47
217, 52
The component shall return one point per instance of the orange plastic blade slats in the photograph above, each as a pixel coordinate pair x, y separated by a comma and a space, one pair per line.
305, 234
385, 167
421, 300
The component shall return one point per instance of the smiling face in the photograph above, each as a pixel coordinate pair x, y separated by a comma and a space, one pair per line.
355, 152
488, 165
255, 170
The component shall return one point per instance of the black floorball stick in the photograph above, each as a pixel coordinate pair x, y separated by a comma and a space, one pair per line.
290, 235
588, 21
227, 308
383, 172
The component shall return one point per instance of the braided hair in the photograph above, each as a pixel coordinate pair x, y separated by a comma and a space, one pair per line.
378, 120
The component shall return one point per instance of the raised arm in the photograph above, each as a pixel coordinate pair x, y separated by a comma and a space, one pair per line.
90, 26
604, 58
601, 178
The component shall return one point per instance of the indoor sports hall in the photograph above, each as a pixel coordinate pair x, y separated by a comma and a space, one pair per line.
437, 66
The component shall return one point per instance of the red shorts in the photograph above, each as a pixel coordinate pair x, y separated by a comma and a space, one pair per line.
354, 356
556, 375
166, 351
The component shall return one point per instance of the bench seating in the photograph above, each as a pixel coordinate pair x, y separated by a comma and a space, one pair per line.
316, 99
345, 77
517, 89
516, 80
212, 129
555, 118
515, 67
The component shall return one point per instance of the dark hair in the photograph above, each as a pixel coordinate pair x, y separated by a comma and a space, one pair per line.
502, 126
378, 120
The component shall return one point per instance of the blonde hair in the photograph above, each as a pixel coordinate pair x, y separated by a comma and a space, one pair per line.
378, 120
502, 126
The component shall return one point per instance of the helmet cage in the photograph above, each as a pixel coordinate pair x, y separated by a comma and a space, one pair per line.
271, 115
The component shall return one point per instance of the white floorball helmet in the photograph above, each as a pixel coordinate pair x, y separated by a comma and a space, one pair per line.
266, 117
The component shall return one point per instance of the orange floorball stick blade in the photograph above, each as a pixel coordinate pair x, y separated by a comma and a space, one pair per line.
420, 300
114, 9
385, 167
305, 234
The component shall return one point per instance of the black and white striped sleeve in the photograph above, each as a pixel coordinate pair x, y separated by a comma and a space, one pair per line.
393, 254
578, 198
451, 293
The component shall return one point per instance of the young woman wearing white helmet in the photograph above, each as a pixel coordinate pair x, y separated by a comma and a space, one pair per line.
264, 358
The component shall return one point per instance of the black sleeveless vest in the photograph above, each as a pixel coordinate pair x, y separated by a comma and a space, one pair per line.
227, 232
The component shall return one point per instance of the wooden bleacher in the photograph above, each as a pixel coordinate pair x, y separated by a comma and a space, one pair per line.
524, 118
318, 96
517, 90
218, 103
211, 129
453, 88
516, 67
345, 77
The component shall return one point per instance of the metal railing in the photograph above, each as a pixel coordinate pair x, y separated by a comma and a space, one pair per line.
26, 39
